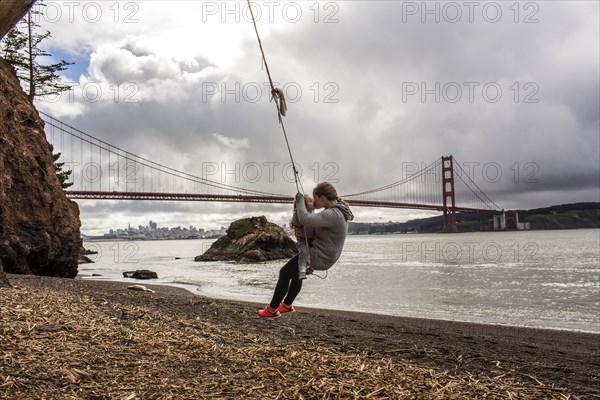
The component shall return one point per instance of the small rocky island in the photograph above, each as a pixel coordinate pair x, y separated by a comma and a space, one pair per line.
251, 240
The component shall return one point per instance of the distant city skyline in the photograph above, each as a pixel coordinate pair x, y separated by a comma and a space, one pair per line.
153, 231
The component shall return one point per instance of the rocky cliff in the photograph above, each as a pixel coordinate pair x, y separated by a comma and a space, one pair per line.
251, 240
39, 226
11, 11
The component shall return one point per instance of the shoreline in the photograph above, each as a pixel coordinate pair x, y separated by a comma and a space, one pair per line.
195, 290
92, 239
567, 361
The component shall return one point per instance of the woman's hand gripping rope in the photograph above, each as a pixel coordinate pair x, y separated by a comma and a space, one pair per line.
310, 270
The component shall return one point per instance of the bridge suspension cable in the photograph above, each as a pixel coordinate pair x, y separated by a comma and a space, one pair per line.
464, 173
421, 189
142, 161
424, 171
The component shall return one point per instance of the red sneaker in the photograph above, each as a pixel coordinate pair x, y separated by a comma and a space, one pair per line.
282, 309
266, 313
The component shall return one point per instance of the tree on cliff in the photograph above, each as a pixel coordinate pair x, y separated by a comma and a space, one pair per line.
21, 47
63, 176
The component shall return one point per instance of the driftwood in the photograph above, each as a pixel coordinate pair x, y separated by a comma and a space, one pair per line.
140, 288
74, 346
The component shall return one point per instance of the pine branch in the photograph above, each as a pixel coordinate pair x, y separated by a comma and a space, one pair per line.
21, 47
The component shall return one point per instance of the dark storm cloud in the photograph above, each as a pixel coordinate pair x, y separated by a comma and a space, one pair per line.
402, 91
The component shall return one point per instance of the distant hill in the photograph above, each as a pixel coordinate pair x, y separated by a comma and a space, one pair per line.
564, 216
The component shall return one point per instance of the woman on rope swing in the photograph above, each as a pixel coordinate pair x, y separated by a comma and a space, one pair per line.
331, 226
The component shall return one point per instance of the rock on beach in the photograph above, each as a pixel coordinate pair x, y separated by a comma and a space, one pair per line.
251, 240
140, 274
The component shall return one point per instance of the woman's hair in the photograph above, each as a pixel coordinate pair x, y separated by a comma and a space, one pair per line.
296, 230
328, 190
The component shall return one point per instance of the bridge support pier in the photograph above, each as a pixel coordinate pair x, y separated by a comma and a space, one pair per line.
449, 199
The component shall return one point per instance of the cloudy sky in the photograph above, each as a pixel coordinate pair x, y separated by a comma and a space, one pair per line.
374, 88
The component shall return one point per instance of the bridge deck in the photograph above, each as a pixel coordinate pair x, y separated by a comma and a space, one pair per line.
151, 196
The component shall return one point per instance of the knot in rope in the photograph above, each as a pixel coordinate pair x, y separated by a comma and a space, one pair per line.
279, 98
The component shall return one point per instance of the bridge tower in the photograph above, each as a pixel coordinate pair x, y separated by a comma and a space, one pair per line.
449, 200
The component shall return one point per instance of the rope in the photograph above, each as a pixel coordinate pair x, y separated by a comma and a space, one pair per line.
278, 97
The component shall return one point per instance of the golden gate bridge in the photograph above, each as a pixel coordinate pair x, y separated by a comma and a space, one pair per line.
442, 186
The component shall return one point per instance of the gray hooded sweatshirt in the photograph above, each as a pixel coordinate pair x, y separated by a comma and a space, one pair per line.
331, 226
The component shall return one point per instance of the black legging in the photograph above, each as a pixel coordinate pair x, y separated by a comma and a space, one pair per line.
288, 285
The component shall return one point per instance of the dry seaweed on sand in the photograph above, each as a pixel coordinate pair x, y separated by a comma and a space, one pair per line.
70, 346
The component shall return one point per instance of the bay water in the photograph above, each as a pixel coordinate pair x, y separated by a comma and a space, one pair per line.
542, 279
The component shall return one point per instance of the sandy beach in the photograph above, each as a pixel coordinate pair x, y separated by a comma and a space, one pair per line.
74, 339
